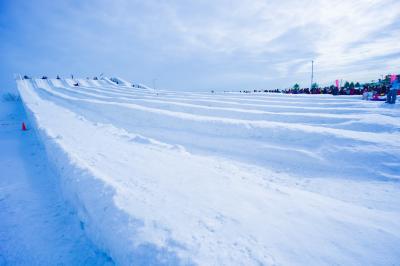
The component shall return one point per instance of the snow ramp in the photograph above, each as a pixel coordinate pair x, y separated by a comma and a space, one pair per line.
192, 178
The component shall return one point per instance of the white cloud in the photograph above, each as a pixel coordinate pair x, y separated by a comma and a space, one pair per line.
258, 39
337, 34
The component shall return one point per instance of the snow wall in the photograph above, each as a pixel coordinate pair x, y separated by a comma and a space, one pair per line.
110, 229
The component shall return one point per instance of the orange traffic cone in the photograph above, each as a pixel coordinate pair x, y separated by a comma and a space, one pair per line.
23, 126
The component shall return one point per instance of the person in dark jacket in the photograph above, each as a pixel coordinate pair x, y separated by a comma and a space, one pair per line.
391, 96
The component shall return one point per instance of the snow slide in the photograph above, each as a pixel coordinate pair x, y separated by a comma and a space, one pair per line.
230, 179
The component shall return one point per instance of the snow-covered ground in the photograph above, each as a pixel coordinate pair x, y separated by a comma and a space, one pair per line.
37, 226
223, 179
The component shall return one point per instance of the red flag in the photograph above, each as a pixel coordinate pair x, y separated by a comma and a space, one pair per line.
337, 83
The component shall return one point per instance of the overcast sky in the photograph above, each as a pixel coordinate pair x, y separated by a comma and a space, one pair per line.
201, 45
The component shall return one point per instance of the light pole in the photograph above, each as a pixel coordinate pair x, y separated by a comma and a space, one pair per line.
154, 84
312, 73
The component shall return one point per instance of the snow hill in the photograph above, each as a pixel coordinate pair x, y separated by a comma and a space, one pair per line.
161, 177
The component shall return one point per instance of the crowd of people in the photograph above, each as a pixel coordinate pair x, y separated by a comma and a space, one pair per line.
383, 90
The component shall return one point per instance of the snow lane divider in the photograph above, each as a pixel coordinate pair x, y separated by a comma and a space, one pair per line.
378, 138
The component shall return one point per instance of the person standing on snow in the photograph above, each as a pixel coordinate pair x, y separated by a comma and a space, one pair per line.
391, 96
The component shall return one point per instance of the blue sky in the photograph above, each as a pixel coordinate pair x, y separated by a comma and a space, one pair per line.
201, 45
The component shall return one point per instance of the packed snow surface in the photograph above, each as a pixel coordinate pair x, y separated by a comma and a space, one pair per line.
162, 177
37, 225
